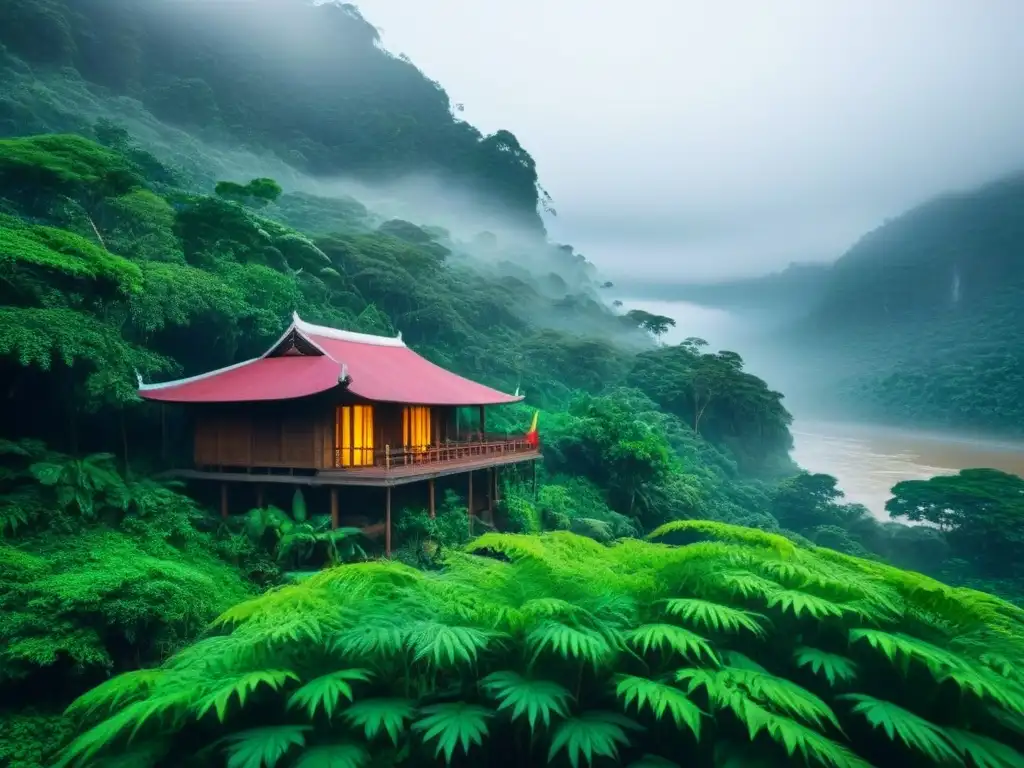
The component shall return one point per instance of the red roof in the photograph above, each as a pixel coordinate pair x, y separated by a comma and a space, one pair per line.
371, 367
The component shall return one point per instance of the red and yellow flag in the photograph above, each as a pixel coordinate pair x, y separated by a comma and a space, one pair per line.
532, 438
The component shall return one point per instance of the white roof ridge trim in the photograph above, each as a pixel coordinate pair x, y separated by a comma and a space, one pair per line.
198, 377
338, 335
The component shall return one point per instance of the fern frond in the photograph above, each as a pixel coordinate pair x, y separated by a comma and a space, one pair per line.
344, 755
795, 738
382, 638
914, 731
668, 636
714, 616
901, 649
534, 698
240, 686
325, 691
833, 666
263, 747
747, 584
796, 602
380, 715
590, 735
569, 642
659, 698
728, 533
982, 751
116, 691
453, 725
442, 645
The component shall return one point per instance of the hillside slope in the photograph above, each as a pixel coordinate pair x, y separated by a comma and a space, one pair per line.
307, 84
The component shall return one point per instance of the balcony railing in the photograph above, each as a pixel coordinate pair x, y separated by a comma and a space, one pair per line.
387, 458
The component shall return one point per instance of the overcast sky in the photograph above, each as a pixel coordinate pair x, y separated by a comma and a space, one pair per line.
706, 138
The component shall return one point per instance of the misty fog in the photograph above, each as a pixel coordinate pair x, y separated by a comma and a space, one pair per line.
697, 140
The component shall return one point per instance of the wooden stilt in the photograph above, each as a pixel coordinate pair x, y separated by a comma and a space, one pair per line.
260, 500
490, 495
387, 521
224, 500
430, 485
469, 503
334, 507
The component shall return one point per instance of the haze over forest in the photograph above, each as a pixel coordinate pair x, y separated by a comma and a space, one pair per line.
707, 148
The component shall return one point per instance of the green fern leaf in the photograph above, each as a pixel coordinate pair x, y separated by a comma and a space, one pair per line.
453, 725
569, 642
372, 639
796, 602
549, 608
795, 738
263, 747
659, 698
682, 641
914, 731
345, 755
833, 666
747, 584
324, 691
982, 751
380, 715
445, 646
901, 649
116, 691
241, 686
534, 698
592, 734
714, 616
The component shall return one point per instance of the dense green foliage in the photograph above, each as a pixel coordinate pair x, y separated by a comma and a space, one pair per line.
151, 253
558, 650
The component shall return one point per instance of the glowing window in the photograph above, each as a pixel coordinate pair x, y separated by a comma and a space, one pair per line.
416, 428
353, 435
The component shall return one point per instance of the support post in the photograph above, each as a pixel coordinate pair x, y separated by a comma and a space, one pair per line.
334, 507
224, 501
469, 502
430, 485
490, 495
387, 521
260, 500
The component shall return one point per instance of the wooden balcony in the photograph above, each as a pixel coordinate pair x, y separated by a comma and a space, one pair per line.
388, 467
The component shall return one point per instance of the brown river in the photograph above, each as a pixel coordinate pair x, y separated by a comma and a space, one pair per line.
866, 459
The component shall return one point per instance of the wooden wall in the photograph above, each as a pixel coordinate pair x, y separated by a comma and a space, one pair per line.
265, 435
293, 435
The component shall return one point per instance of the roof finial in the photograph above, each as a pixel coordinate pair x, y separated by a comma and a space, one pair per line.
295, 317
399, 336
139, 377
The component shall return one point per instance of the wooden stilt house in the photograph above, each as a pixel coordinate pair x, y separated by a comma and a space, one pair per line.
327, 407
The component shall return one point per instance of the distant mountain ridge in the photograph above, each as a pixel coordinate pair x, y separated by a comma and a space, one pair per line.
921, 321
